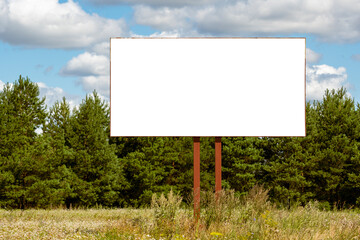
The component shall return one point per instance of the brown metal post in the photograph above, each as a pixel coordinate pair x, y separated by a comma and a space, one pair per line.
217, 164
196, 178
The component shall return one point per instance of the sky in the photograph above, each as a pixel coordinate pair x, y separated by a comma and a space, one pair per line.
63, 45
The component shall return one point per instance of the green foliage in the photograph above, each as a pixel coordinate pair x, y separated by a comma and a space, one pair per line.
242, 162
99, 173
337, 154
286, 171
75, 163
22, 112
156, 165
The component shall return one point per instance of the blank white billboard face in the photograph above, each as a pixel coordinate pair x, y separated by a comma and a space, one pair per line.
207, 87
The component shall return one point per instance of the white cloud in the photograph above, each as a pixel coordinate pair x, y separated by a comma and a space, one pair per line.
172, 3
322, 77
86, 64
3, 15
166, 34
102, 48
165, 18
172, 34
331, 20
2, 84
104, 98
92, 70
100, 83
312, 57
50, 24
53, 94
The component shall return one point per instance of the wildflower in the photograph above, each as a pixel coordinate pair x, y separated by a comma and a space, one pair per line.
216, 234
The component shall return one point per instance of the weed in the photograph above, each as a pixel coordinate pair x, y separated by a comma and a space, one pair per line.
219, 207
165, 209
222, 217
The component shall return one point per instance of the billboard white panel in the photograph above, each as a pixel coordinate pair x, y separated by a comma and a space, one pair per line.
207, 86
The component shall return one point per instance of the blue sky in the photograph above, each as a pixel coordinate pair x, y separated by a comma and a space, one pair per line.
64, 45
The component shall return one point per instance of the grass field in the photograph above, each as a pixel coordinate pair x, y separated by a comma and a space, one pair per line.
228, 218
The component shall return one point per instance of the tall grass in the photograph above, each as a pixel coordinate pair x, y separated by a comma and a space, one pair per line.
165, 209
223, 216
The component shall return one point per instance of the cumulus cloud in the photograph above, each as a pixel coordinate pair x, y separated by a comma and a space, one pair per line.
50, 24
171, 34
100, 83
322, 77
67, 25
2, 84
166, 34
3, 15
92, 71
331, 21
86, 64
312, 57
53, 94
172, 3
164, 18
102, 48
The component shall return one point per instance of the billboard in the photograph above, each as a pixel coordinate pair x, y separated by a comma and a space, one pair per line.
207, 87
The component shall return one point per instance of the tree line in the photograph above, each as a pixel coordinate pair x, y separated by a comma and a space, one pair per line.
74, 162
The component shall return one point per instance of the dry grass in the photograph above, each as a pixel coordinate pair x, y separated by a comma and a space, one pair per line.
225, 218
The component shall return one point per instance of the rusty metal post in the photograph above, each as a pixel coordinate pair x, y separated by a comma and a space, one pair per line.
217, 164
196, 178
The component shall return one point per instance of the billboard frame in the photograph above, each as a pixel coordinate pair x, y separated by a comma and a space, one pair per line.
196, 139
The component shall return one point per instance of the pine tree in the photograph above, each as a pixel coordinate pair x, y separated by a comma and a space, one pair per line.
242, 160
155, 165
286, 171
57, 132
22, 112
99, 173
338, 151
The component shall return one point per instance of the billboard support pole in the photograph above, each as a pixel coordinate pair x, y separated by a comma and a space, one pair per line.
217, 165
196, 141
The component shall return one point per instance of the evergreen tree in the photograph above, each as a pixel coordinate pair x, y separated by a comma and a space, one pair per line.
99, 173
22, 112
286, 171
242, 163
338, 148
75, 162
57, 133
157, 165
